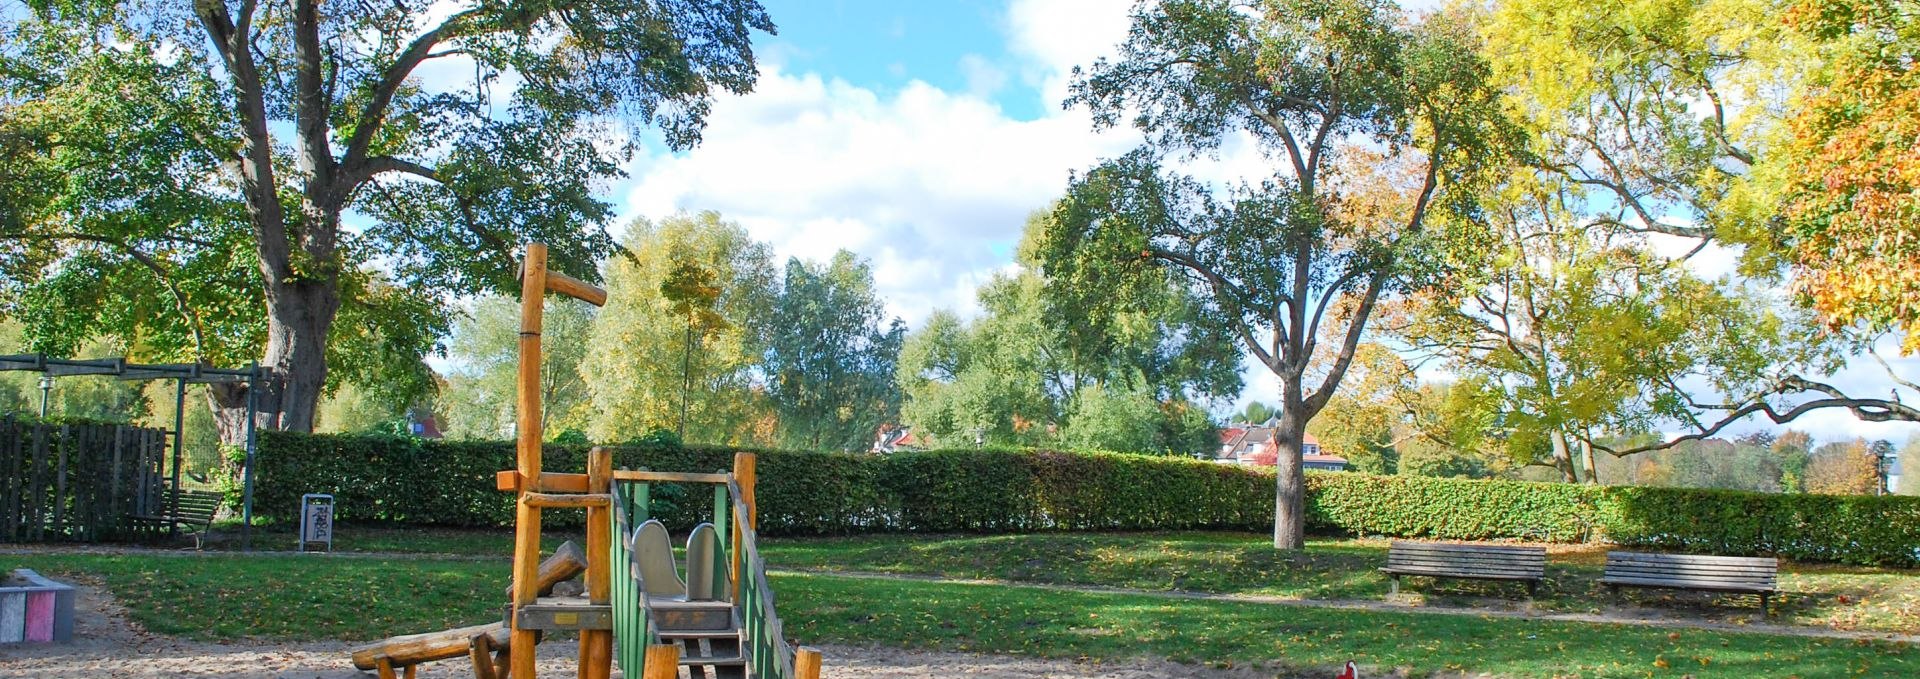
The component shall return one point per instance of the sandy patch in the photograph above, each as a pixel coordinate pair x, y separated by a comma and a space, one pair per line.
107, 644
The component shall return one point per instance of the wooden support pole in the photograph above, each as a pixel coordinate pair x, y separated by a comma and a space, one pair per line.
744, 474
575, 288
596, 646
527, 430
567, 500
663, 662
806, 664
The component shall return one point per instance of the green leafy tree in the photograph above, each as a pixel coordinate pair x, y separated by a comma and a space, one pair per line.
199, 158
635, 361
831, 356
484, 351
1016, 375
1256, 412
1377, 125
693, 293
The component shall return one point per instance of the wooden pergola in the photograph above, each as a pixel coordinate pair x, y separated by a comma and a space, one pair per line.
183, 374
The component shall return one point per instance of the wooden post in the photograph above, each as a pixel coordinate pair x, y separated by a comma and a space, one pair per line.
663, 662
527, 430
744, 474
806, 664
596, 646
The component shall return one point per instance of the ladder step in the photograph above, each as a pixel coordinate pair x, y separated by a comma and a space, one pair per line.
717, 661
732, 633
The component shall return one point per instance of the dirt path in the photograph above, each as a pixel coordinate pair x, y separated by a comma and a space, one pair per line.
1620, 616
108, 645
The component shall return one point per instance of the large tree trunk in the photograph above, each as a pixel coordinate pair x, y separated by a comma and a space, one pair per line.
299, 320
1563, 458
1290, 492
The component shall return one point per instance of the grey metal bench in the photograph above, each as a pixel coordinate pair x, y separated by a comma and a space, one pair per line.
1738, 574
1475, 562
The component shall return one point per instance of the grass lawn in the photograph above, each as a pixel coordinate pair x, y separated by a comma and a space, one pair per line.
395, 539
1227, 563
293, 598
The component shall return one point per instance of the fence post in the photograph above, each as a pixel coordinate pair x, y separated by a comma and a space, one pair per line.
806, 664
663, 662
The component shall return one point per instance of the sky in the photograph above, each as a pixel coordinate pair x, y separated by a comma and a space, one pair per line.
921, 135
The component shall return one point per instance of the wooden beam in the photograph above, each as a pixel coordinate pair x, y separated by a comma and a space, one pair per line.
576, 288
596, 646
527, 429
671, 477
550, 482
566, 501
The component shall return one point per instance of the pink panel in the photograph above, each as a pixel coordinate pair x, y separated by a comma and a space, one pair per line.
40, 616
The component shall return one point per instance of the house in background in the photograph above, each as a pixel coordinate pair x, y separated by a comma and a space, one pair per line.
1253, 444
893, 438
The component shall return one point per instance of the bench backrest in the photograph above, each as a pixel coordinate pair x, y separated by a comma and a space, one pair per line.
1694, 569
198, 505
1446, 558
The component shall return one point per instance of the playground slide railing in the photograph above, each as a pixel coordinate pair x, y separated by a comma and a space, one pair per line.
763, 637
632, 623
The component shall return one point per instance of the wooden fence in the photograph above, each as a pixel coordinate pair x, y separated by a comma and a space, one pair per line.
61, 482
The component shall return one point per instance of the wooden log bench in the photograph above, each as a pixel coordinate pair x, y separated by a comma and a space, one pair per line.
1474, 562
192, 509
1736, 574
404, 653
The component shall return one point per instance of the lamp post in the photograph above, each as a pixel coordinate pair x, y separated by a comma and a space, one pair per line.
46, 390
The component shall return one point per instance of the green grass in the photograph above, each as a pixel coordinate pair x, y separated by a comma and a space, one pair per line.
295, 598
1224, 563
399, 540
289, 597
1029, 621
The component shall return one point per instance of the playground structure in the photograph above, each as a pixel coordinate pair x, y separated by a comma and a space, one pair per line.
721, 614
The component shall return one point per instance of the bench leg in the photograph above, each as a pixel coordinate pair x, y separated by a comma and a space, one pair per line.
1763, 604
481, 653
1394, 589
1533, 588
385, 668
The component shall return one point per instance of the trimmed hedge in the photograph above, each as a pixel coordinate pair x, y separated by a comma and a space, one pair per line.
407, 480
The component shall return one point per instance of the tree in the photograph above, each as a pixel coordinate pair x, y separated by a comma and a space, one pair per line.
1256, 412
831, 356
301, 114
1853, 171
478, 399
1670, 117
1377, 124
635, 358
1910, 467
1358, 423
1018, 374
1843, 468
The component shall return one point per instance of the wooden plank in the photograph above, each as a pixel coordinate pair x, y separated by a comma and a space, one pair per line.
669, 477
1468, 576
565, 500
1654, 557
1461, 547
1685, 584
38, 498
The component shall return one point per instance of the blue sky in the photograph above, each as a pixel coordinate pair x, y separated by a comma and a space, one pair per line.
921, 134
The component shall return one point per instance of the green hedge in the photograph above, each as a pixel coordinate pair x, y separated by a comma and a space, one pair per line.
406, 480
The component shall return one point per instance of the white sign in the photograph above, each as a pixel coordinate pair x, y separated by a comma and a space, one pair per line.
316, 520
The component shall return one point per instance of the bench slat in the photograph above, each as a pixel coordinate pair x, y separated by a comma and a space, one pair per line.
1717, 585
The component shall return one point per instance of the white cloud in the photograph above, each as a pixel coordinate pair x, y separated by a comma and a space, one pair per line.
932, 186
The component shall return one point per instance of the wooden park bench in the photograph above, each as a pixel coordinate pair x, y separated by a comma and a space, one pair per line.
194, 511
1475, 562
1738, 574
